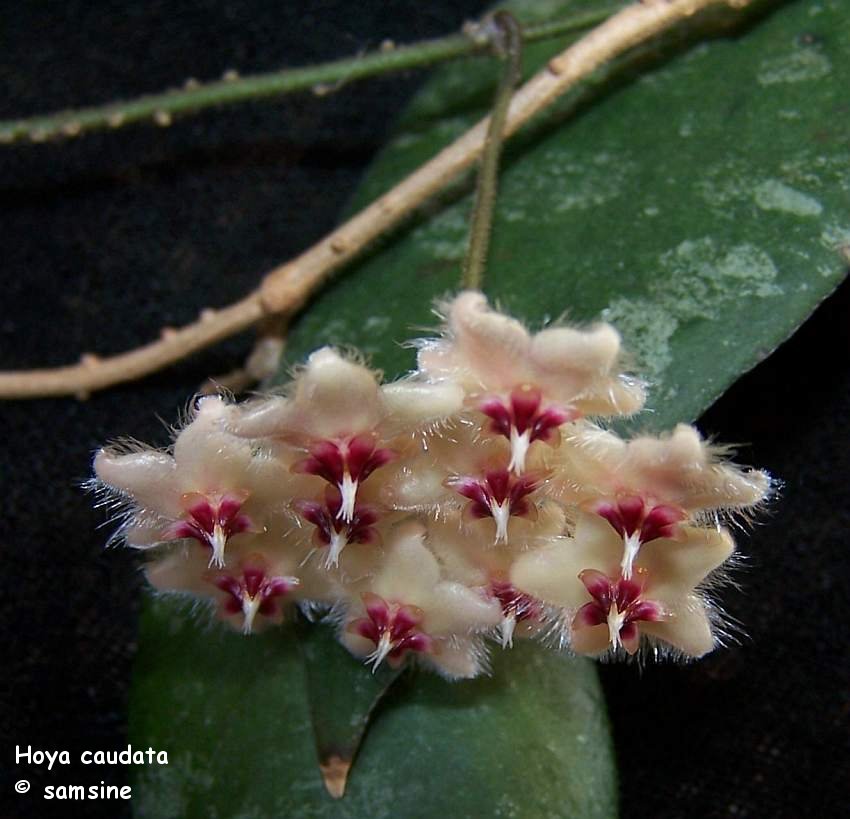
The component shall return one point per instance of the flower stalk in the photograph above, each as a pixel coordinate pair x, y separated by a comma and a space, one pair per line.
507, 44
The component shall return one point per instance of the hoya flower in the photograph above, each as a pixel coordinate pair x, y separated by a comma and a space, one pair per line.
343, 424
410, 609
528, 385
214, 488
648, 487
332, 533
521, 419
469, 557
253, 590
460, 470
499, 495
393, 628
664, 600
619, 605
250, 594
424, 482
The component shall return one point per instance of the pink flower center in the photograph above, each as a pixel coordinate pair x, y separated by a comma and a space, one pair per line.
516, 607
522, 420
638, 523
392, 628
253, 591
345, 465
617, 603
499, 495
331, 530
211, 519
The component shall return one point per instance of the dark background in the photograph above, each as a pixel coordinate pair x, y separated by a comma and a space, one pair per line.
106, 239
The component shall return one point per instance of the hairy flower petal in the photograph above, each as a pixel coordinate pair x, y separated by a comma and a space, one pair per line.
687, 627
488, 351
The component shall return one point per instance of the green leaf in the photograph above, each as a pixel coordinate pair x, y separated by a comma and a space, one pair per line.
233, 715
343, 696
695, 197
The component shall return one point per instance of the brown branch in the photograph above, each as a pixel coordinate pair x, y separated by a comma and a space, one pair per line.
286, 288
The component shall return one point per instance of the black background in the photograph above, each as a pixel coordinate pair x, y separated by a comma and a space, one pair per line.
106, 239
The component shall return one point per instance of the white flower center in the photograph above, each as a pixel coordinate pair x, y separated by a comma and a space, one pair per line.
519, 449
217, 541
250, 607
348, 490
338, 542
384, 647
506, 629
501, 513
631, 547
615, 623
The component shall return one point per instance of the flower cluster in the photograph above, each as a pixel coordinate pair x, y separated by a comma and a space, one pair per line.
478, 498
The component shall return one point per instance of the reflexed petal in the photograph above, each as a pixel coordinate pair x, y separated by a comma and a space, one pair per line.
579, 354
413, 404
464, 557
142, 534
410, 571
484, 347
180, 570
682, 469
676, 567
458, 659
601, 547
209, 458
590, 640
335, 397
149, 477
581, 367
413, 486
686, 627
263, 418
616, 395
570, 359
457, 609
551, 573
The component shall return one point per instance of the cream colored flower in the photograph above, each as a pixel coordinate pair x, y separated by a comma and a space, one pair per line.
460, 470
528, 385
250, 594
409, 608
662, 599
213, 488
468, 556
345, 426
645, 488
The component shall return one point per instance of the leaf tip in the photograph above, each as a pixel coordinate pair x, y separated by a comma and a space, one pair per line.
335, 774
